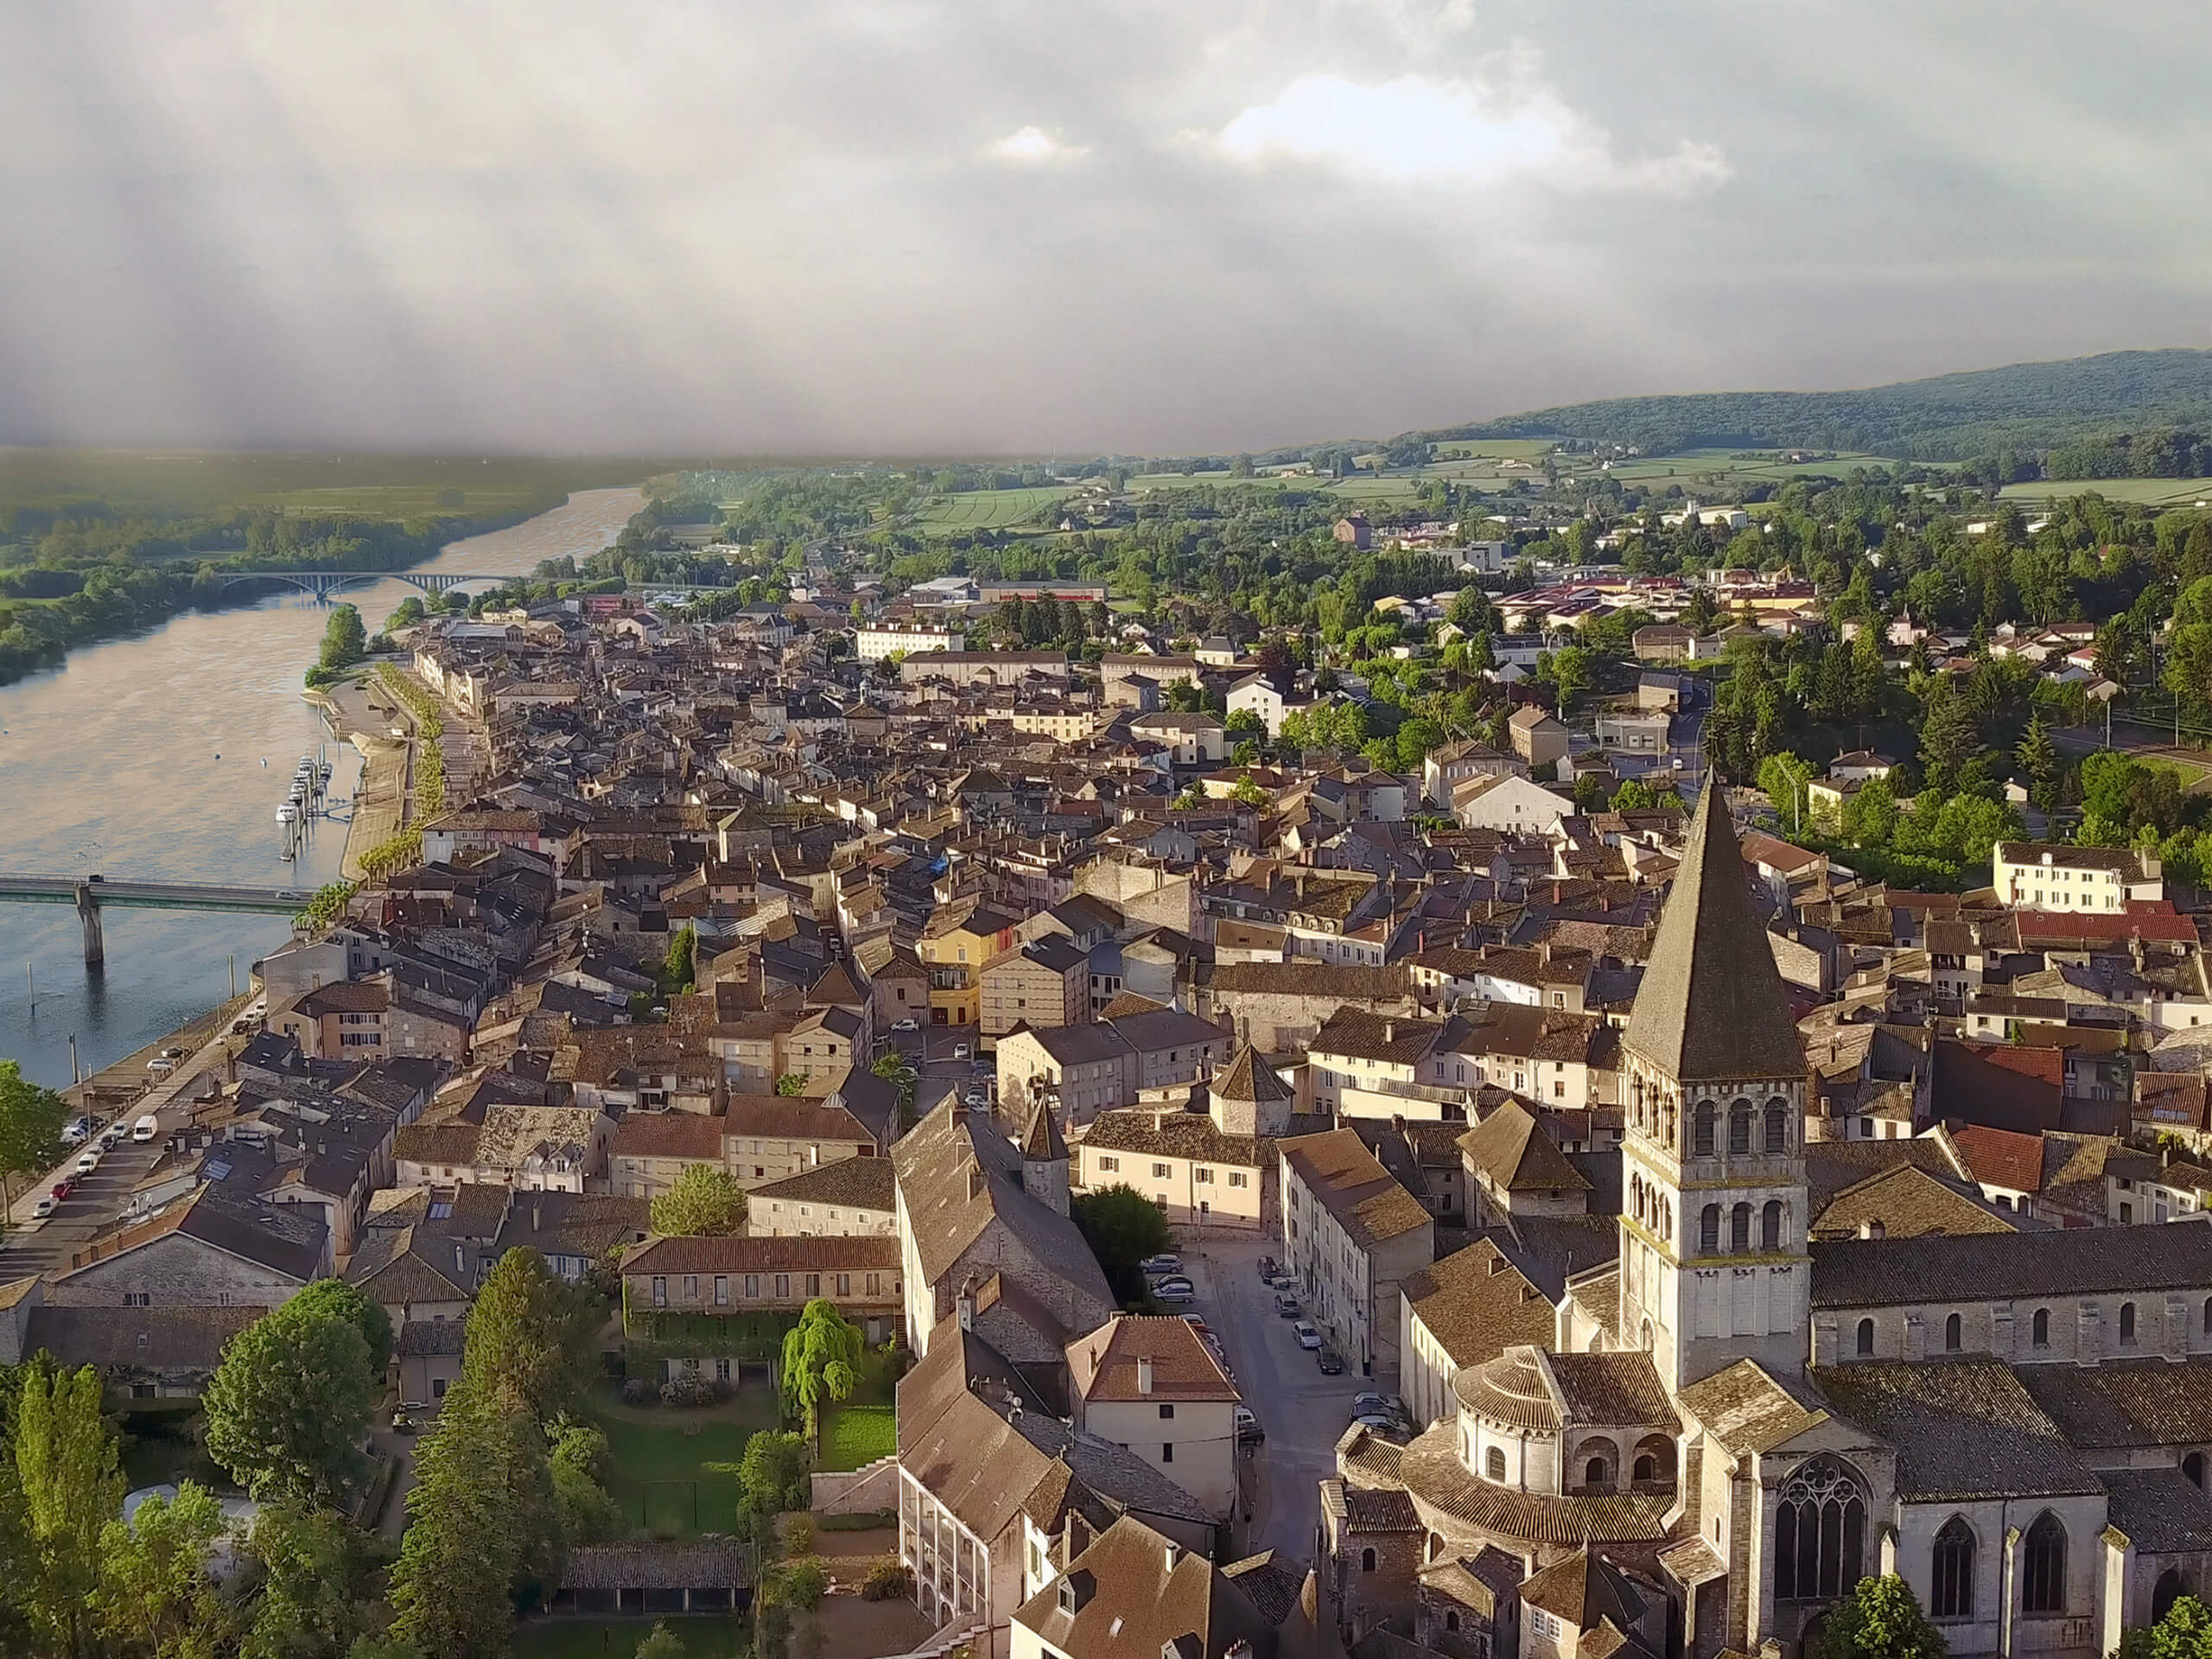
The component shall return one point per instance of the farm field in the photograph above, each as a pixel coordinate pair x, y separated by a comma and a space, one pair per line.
2145, 492
1494, 449
1720, 464
986, 509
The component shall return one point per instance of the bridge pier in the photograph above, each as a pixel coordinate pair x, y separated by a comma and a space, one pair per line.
88, 913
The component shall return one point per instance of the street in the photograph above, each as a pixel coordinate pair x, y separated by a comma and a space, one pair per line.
1303, 1412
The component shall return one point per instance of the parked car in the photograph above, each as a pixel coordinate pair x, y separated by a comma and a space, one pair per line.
64, 1187
1164, 1264
960, 1051
908, 1024
1184, 1286
1173, 1295
46, 1205
1286, 1306
88, 1160
76, 1129
115, 1134
1331, 1364
1376, 1424
172, 1054
1248, 1426
1306, 1335
1267, 1269
160, 1065
1283, 1281
1197, 1322
1365, 1402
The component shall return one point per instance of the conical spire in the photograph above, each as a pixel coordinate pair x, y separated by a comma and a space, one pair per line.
1712, 1005
1042, 1143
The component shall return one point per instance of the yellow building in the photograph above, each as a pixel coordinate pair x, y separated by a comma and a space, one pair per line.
959, 939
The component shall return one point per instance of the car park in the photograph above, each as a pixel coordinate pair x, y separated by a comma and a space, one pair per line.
1248, 1426
1306, 1335
1162, 1264
1331, 1364
1173, 1279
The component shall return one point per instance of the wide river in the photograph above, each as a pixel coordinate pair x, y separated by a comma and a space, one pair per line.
142, 756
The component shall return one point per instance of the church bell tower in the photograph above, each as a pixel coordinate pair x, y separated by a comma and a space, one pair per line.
1714, 1267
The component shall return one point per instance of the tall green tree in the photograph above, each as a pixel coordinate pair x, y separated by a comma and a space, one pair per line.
357, 1308
156, 1599
528, 1341
31, 1116
287, 1407
822, 1358
773, 1472
895, 1068
580, 1463
704, 1200
2037, 757
1949, 736
314, 1603
1122, 1227
1879, 1619
71, 1486
345, 639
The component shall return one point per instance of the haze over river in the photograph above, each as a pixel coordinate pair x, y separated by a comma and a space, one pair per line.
110, 763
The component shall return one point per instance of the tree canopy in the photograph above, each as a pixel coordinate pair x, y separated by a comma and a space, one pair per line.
822, 1359
703, 1200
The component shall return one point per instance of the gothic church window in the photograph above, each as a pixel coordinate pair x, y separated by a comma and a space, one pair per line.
1951, 1583
1820, 1533
2043, 1579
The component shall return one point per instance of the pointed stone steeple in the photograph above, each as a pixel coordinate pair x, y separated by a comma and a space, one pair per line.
1712, 1004
1045, 1159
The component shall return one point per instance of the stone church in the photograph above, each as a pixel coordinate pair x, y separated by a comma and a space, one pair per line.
1732, 1424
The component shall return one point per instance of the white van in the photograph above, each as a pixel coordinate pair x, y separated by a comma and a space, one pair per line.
146, 1128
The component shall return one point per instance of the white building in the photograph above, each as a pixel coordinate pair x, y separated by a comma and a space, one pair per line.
878, 640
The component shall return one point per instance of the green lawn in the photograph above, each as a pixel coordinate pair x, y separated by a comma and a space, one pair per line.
2148, 491
986, 509
675, 1472
618, 1638
854, 1436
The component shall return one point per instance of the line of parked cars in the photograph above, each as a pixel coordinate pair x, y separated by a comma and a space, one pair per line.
1288, 1306
1170, 1285
1384, 1414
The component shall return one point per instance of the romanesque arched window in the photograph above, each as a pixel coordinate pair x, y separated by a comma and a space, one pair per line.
1666, 1130
1740, 1127
2041, 1337
1708, 1229
2207, 1316
1667, 1220
1777, 1125
1367, 1560
1740, 1228
1954, 1332
2127, 1324
1867, 1337
1494, 1465
1653, 1461
1770, 1225
2043, 1571
1951, 1581
1820, 1533
1704, 1124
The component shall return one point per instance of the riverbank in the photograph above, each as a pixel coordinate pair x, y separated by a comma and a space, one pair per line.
358, 714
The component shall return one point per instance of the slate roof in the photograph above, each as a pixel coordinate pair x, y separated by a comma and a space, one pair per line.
2125, 1403
1712, 1005
1994, 1266
1962, 1429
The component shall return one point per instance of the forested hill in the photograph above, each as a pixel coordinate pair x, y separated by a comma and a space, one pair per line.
1949, 417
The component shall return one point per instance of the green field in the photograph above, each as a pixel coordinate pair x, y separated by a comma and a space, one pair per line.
1690, 465
675, 1472
1494, 449
2143, 492
186, 482
986, 509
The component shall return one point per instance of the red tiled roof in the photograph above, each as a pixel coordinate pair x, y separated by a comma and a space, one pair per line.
2001, 1157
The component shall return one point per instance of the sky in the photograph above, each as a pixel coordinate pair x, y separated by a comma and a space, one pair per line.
841, 227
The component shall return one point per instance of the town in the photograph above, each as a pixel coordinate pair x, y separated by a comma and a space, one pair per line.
959, 1114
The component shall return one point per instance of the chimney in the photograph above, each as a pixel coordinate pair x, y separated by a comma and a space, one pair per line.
1389, 1031
967, 1307
974, 1182
1173, 1555
537, 1214
1144, 1386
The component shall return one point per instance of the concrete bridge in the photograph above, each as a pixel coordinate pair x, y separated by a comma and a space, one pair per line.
323, 583
90, 893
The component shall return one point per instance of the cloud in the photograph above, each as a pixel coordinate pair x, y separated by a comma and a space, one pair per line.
1419, 130
1032, 147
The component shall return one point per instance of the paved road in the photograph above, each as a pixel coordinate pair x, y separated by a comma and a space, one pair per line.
1302, 1411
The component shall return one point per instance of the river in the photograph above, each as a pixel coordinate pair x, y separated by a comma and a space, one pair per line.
141, 756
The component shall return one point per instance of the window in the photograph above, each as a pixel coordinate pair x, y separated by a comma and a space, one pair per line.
1777, 1125
1952, 1580
1236, 1179
1740, 1127
1451, 1621
1820, 1533
1167, 1451
721, 1371
1952, 1334
2207, 1316
875, 1284
1108, 1165
1866, 1337
721, 1290
813, 1284
1494, 1464
752, 1286
1740, 1228
660, 1291
2043, 1327
2127, 1324
1201, 1176
1160, 1172
2042, 1584
1593, 1472
1770, 1225
782, 1287
1708, 1229
844, 1284
1703, 1123
2193, 1466
1166, 1413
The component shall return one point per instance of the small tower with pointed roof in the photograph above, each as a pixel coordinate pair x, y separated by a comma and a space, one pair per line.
1045, 1159
1714, 1267
1248, 1097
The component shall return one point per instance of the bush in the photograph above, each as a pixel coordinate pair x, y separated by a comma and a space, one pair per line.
688, 1389
888, 1579
798, 1535
806, 1584
639, 1391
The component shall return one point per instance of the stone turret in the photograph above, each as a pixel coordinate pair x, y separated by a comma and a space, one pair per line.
1045, 1159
